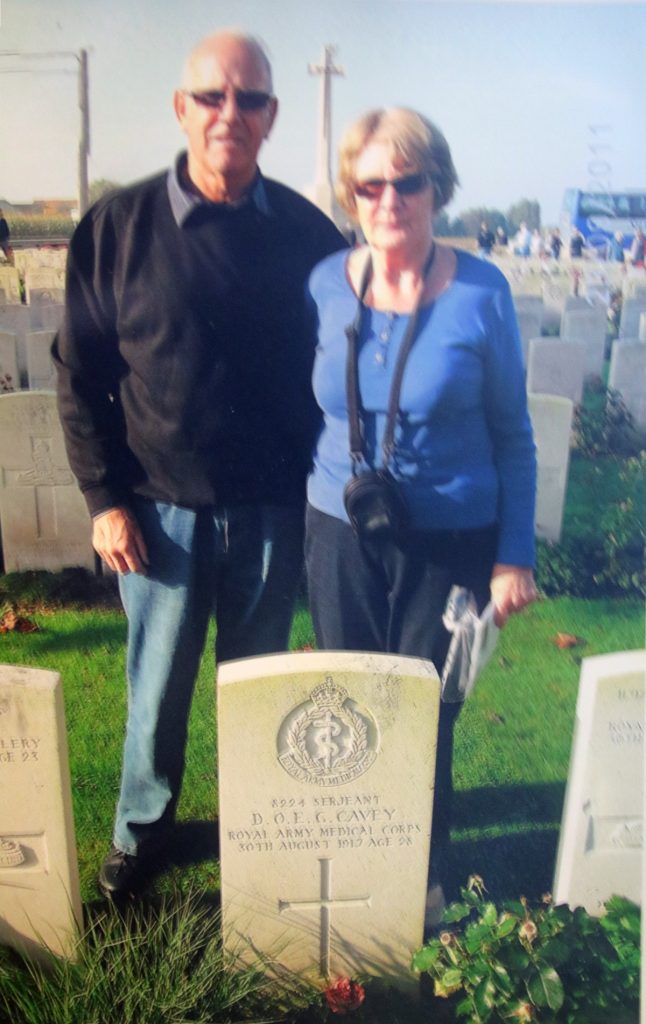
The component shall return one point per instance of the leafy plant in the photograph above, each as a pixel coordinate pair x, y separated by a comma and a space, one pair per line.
605, 426
543, 963
624, 531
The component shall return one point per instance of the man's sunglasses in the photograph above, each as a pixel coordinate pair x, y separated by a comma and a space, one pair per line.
246, 99
410, 185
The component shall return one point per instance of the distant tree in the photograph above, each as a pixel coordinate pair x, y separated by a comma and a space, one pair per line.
473, 218
457, 228
528, 210
441, 224
100, 187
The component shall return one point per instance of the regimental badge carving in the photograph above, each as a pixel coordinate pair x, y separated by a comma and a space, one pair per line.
328, 740
628, 834
11, 855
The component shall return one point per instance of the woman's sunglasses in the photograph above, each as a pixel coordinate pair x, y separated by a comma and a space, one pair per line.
409, 185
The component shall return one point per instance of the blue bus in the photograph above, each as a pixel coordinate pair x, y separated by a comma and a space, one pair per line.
599, 215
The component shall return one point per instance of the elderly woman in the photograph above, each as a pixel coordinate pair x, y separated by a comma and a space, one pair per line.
462, 460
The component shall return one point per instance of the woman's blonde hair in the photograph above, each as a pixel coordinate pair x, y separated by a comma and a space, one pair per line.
412, 138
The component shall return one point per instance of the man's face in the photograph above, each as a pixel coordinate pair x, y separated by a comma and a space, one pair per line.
224, 141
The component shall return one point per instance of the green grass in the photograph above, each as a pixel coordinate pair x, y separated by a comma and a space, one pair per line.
512, 739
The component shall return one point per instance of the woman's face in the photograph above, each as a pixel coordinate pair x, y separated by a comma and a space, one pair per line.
391, 220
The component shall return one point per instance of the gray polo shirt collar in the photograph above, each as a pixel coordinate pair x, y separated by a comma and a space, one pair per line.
183, 202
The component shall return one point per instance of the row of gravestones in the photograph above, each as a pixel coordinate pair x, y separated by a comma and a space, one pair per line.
45, 524
326, 773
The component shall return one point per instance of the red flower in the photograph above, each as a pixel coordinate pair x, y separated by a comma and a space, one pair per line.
344, 995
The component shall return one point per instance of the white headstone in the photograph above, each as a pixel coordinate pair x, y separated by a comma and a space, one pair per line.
10, 284
46, 296
601, 842
529, 325
556, 367
551, 418
590, 327
642, 326
43, 279
43, 518
17, 320
628, 376
9, 377
41, 373
326, 773
631, 312
40, 903
47, 316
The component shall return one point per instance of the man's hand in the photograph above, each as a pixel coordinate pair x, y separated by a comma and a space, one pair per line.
512, 587
119, 541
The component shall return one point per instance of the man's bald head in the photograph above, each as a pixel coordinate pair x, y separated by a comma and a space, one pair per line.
199, 60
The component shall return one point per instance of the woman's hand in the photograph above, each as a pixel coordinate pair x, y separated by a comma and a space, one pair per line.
512, 587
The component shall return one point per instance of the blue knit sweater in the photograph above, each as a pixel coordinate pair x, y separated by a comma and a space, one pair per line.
465, 455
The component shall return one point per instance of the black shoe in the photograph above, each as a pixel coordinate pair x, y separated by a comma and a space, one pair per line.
121, 874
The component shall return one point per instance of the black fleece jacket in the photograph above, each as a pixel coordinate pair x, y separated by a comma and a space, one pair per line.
185, 356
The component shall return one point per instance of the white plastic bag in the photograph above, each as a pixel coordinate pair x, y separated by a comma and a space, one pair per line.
472, 644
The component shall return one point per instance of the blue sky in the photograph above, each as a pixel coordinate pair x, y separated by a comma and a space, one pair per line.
515, 87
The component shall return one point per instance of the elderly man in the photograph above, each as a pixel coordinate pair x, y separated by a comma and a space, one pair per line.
183, 367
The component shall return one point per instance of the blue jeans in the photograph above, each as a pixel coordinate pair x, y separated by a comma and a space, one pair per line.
241, 564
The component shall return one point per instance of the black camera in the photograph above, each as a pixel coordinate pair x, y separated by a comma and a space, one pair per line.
375, 505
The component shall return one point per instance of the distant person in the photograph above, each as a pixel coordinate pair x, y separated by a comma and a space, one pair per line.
638, 249
184, 365
537, 244
5, 238
501, 237
616, 248
486, 239
462, 458
522, 240
577, 244
556, 244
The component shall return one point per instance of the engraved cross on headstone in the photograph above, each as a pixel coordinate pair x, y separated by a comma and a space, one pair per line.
325, 904
43, 476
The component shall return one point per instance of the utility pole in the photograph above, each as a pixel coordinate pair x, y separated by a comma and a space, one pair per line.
84, 140
81, 57
322, 192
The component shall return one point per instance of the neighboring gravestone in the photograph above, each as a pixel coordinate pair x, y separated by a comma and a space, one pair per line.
326, 772
556, 367
41, 374
9, 377
601, 841
43, 518
47, 316
590, 327
40, 903
42, 280
17, 320
628, 376
551, 418
10, 284
631, 312
529, 325
46, 296
642, 326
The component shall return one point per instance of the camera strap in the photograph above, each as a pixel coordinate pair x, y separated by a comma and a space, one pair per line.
356, 412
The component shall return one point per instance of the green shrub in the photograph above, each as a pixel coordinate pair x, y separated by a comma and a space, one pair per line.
40, 226
623, 527
543, 963
569, 567
605, 426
